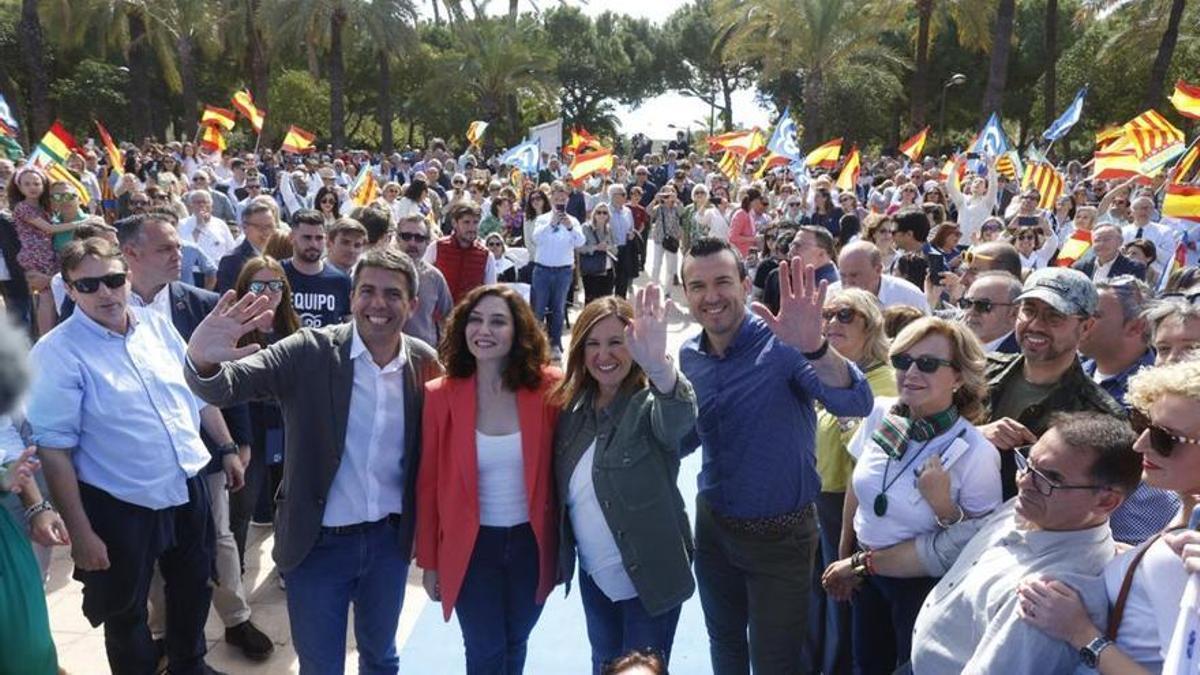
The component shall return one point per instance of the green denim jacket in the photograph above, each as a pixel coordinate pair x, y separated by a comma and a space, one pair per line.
1076, 392
635, 469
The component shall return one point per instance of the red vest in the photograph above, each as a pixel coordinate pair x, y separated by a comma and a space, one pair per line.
463, 267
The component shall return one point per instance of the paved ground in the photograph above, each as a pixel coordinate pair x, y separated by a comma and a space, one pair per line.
427, 644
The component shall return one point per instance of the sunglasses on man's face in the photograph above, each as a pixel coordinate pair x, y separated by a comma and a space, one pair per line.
843, 315
1162, 440
411, 236
926, 364
62, 197
138, 202
980, 305
90, 285
259, 287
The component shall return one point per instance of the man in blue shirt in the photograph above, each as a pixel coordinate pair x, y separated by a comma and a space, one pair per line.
757, 377
320, 292
118, 432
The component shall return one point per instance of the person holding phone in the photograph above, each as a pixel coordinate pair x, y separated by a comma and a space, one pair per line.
666, 231
556, 234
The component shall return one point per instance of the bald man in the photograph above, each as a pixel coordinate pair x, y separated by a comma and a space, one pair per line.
861, 266
1144, 227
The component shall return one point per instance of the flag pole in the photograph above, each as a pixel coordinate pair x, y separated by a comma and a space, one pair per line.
1169, 178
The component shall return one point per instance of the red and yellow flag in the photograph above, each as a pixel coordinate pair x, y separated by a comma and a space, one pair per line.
1182, 202
581, 141
1048, 182
110, 149
298, 140
1182, 171
219, 116
475, 131
1109, 135
913, 147
730, 165
1074, 248
1152, 135
1186, 99
244, 102
748, 143
824, 156
848, 178
213, 138
365, 189
588, 163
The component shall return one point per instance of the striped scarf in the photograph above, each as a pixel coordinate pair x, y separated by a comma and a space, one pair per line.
897, 428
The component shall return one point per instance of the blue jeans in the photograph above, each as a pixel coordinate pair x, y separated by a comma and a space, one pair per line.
367, 567
616, 628
497, 606
549, 294
884, 613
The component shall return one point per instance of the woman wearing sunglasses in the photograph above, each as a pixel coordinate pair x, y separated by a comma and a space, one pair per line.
1144, 584
598, 255
922, 465
854, 326
263, 276
1036, 245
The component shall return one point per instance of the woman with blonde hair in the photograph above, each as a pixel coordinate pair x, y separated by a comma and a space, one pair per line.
625, 409
922, 465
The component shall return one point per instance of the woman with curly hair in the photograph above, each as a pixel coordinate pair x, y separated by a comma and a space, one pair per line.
487, 522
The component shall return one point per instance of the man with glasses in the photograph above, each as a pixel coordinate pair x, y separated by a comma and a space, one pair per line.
989, 309
434, 300
118, 433
1056, 309
258, 224
1105, 260
320, 293
1070, 482
1143, 227
253, 187
222, 207
641, 179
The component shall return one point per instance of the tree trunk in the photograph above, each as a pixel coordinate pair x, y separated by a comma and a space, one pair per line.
139, 77
310, 54
437, 21
33, 48
814, 94
1049, 80
727, 103
1162, 61
993, 96
187, 75
384, 105
919, 96
256, 57
513, 9
337, 79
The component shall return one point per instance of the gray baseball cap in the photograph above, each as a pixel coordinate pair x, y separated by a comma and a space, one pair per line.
1067, 290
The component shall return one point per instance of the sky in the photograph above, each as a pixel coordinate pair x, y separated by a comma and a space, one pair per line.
654, 115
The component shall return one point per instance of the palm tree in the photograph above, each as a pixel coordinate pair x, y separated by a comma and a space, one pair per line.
1152, 25
993, 95
33, 48
1050, 78
195, 27
809, 38
245, 36
970, 18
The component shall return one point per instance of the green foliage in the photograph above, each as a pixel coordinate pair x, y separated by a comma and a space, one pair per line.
298, 99
93, 90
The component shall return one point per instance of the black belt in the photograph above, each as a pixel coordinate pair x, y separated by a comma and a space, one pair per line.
771, 526
553, 267
356, 528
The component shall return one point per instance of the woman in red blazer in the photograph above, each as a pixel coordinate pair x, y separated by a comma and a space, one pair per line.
487, 529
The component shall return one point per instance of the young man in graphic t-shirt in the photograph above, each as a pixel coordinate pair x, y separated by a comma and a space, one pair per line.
320, 292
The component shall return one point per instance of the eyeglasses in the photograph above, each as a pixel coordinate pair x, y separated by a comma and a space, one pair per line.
980, 305
495, 244
1051, 317
1042, 482
843, 315
253, 187
258, 287
926, 364
63, 197
92, 284
412, 236
971, 256
1162, 440
139, 202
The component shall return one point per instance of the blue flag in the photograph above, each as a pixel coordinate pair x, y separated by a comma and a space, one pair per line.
1062, 126
526, 156
783, 141
991, 141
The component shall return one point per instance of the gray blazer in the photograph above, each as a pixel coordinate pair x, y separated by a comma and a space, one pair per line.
311, 375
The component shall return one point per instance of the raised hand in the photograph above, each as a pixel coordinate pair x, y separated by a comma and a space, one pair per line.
801, 298
646, 336
215, 340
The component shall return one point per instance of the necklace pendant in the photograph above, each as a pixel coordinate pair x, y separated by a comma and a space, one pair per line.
881, 505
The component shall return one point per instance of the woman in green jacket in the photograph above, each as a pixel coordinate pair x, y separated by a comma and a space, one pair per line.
616, 461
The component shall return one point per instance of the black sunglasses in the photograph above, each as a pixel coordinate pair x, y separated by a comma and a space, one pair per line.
411, 236
980, 305
843, 315
1162, 440
92, 284
925, 364
276, 286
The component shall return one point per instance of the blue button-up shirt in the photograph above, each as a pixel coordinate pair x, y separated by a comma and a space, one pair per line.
121, 403
621, 223
756, 422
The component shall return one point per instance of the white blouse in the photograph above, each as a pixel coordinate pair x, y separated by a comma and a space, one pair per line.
503, 501
1153, 602
971, 460
599, 556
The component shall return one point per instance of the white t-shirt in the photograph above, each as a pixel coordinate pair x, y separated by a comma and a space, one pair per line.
599, 556
1152, 605
502, 498
895, 291
971, 460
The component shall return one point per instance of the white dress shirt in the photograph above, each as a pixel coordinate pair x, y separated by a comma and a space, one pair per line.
369, 483
1101, 271
895, 291
556, 244
160, 303
214, 237
1164, 238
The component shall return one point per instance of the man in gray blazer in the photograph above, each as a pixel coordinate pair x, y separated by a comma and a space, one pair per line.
351, 398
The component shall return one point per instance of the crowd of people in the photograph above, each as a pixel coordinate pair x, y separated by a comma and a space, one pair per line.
931, 442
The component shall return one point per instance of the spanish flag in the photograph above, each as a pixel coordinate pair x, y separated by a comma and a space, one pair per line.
1074, 248
475, 132
1118, 165
1186, 99
913, 147
213, 138
588, 163
582, 141
824, 156
298, 140
219, 116
1182, 202
750, 144
110, 149
244, 102
848, 178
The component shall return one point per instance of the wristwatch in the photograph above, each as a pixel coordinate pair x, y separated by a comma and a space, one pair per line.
818, 353
227, 449
1090, 655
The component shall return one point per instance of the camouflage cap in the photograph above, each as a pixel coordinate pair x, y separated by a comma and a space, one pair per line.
1066, 290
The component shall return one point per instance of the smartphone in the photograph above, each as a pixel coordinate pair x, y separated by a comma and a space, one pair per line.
972, 155
1027, 221
937, 266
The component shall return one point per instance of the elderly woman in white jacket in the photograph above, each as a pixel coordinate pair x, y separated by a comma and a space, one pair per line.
979, 202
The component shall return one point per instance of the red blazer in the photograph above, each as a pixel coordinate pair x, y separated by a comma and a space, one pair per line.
448, 481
